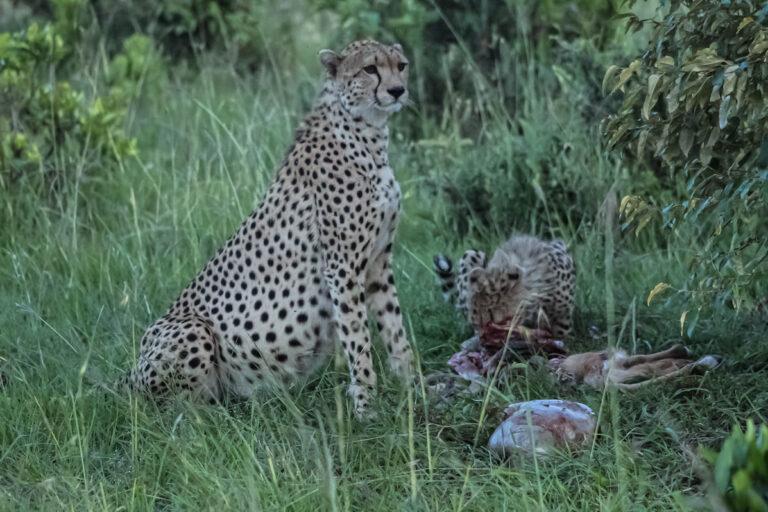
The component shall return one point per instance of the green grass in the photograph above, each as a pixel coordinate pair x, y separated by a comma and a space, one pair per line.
79, 281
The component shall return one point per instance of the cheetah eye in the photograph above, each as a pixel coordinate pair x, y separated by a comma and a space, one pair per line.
371, 70
401, 66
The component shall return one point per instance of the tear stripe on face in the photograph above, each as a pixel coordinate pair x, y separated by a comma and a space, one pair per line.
376, 89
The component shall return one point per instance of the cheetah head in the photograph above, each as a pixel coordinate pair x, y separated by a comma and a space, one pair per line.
495, 295
370, 79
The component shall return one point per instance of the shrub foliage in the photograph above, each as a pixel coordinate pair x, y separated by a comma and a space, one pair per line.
741, 469
696, 102
451, 41
54, 129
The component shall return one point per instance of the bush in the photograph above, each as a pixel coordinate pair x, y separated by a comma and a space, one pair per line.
489, 82
449, 41
519, 172
695, 101
51, 132
741, 469
248, 31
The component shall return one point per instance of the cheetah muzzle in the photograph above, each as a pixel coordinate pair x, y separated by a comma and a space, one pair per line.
309, 265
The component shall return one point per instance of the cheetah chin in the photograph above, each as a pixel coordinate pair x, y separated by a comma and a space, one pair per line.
390, 108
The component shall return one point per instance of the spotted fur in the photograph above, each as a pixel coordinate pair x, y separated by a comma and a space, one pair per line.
528, 280
309, 264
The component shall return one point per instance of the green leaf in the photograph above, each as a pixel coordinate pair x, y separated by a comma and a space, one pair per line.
626, 74
694, 320
729, 82
686, 140
618, 134
725, 108
672, 97
610, 73
759, 45
714, 135
658, 289
642, 139
723, 466
741, 87
665, 63
705, 60
650, 99
741, 482
744, 22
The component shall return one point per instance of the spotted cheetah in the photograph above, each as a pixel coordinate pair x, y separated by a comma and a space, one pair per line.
307, 266
528, 280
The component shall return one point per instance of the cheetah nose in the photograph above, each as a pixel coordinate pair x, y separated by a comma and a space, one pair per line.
396, 92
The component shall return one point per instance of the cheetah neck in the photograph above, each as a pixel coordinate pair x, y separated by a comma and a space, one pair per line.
371, 130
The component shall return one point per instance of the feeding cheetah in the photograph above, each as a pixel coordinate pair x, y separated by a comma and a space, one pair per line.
309, 264
528, 281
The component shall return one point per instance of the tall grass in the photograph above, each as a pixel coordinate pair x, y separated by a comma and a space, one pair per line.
77, 288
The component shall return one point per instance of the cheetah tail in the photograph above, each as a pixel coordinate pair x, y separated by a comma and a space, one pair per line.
122, 385
446, 277
126, 383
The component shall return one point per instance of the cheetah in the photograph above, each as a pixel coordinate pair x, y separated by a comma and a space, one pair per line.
528, 281
307, 266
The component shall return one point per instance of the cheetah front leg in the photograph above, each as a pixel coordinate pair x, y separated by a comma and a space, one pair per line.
351, 319
384, 305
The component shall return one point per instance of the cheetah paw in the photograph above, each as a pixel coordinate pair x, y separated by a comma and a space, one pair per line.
402, 366
361, 400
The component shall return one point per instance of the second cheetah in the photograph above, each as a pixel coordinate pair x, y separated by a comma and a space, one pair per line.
528, 281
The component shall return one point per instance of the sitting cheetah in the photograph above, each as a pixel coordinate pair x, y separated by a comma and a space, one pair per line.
308, 264
528, 281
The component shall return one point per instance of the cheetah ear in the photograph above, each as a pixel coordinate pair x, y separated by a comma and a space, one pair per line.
330, 62
398, 47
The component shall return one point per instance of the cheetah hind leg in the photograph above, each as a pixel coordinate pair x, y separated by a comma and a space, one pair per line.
470, 260
178, 356
453, 284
